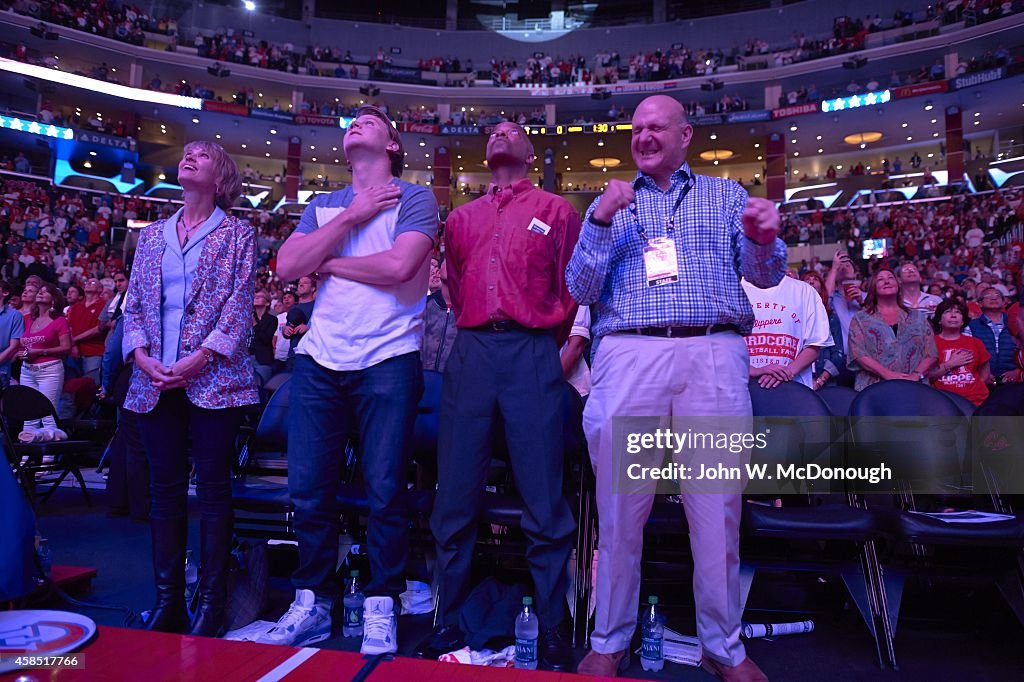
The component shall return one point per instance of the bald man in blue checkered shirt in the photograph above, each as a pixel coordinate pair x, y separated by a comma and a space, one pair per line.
661, 260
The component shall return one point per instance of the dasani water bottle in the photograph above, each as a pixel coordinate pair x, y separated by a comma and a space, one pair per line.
527, 629
652, 654
353, 602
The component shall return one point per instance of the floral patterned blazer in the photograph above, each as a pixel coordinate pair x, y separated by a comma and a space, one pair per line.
218, 315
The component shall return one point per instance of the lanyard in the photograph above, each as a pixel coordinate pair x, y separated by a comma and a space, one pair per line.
670, 228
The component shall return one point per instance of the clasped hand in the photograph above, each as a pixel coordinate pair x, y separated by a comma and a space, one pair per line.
177, 375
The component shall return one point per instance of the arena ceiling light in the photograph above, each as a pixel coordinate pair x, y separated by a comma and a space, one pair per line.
112, 89
606, 162
856, 101
249, 5
716, 155
863, 138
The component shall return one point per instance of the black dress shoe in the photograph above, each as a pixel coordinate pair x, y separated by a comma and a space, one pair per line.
553, 651
445, 638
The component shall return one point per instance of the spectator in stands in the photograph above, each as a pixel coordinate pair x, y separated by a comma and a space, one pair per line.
963, 366
677, 350
887, 339
21, 164
187, 314
87, 331
913, 297
300, 316
360, 357
439, 328
280, 344
75, 294
12, 327
112, 321
264, 327
28, 298
974, 237
44, 345
831, 361
844, 293
790, 330
992, 328
512, 319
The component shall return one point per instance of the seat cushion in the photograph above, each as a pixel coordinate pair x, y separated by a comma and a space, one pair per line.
506, 510
928, 531
260, 496
823, 522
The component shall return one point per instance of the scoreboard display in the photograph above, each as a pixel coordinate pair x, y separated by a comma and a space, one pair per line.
578, 128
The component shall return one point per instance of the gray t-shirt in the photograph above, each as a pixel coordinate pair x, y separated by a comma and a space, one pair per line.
356, 325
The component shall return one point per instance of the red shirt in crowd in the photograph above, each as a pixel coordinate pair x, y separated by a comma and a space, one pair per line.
507, 252
965, 380
82, 318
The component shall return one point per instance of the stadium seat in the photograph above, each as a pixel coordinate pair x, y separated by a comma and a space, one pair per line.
922, 441
39, 463
787, 534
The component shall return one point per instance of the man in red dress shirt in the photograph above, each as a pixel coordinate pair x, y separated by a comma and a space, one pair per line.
506, 254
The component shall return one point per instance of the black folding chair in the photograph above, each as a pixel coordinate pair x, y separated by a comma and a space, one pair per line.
45, 462
924, 438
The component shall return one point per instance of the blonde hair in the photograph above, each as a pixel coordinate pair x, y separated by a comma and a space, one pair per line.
227, 179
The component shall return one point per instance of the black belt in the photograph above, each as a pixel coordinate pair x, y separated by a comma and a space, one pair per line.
681, 332
507, 326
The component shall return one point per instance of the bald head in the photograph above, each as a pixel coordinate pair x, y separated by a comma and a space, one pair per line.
671, 107
661, 137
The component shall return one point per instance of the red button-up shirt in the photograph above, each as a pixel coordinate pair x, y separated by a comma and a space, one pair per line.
506, 254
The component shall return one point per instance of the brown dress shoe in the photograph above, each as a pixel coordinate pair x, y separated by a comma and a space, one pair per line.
746, 671
604, 665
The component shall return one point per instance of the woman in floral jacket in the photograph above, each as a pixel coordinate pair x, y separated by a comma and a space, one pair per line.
188, 314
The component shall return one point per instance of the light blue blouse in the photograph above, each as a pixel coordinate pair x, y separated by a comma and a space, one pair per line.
177, 272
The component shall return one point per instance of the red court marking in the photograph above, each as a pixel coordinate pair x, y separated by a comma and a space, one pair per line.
328, 665
62, 575
121, 655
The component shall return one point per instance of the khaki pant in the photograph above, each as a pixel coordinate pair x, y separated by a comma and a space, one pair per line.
668, 378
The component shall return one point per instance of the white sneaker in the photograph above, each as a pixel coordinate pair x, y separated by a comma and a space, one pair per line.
380, 626
306, 622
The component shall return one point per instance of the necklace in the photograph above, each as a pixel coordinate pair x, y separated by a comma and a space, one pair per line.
190, 229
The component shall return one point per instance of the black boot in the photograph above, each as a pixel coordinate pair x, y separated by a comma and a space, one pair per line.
169, 614
211, 614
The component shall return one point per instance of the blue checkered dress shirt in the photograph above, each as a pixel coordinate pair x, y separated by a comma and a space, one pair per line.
607, 266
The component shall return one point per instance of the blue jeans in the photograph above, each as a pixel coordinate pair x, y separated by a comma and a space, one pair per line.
325, 408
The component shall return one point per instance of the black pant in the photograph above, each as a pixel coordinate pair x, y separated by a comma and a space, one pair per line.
166, 431
514, 377
128, 482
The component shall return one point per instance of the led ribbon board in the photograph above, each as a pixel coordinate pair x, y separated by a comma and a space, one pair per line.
112, 89
856, 101
36, 128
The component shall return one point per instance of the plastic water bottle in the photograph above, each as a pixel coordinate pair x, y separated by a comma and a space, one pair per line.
191, 577
45, 556
652, 653
527, 629
353, 601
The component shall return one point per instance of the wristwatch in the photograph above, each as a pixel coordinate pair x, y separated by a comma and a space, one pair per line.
208, 353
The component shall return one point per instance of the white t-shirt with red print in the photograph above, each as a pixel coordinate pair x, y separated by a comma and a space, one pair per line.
787, 318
